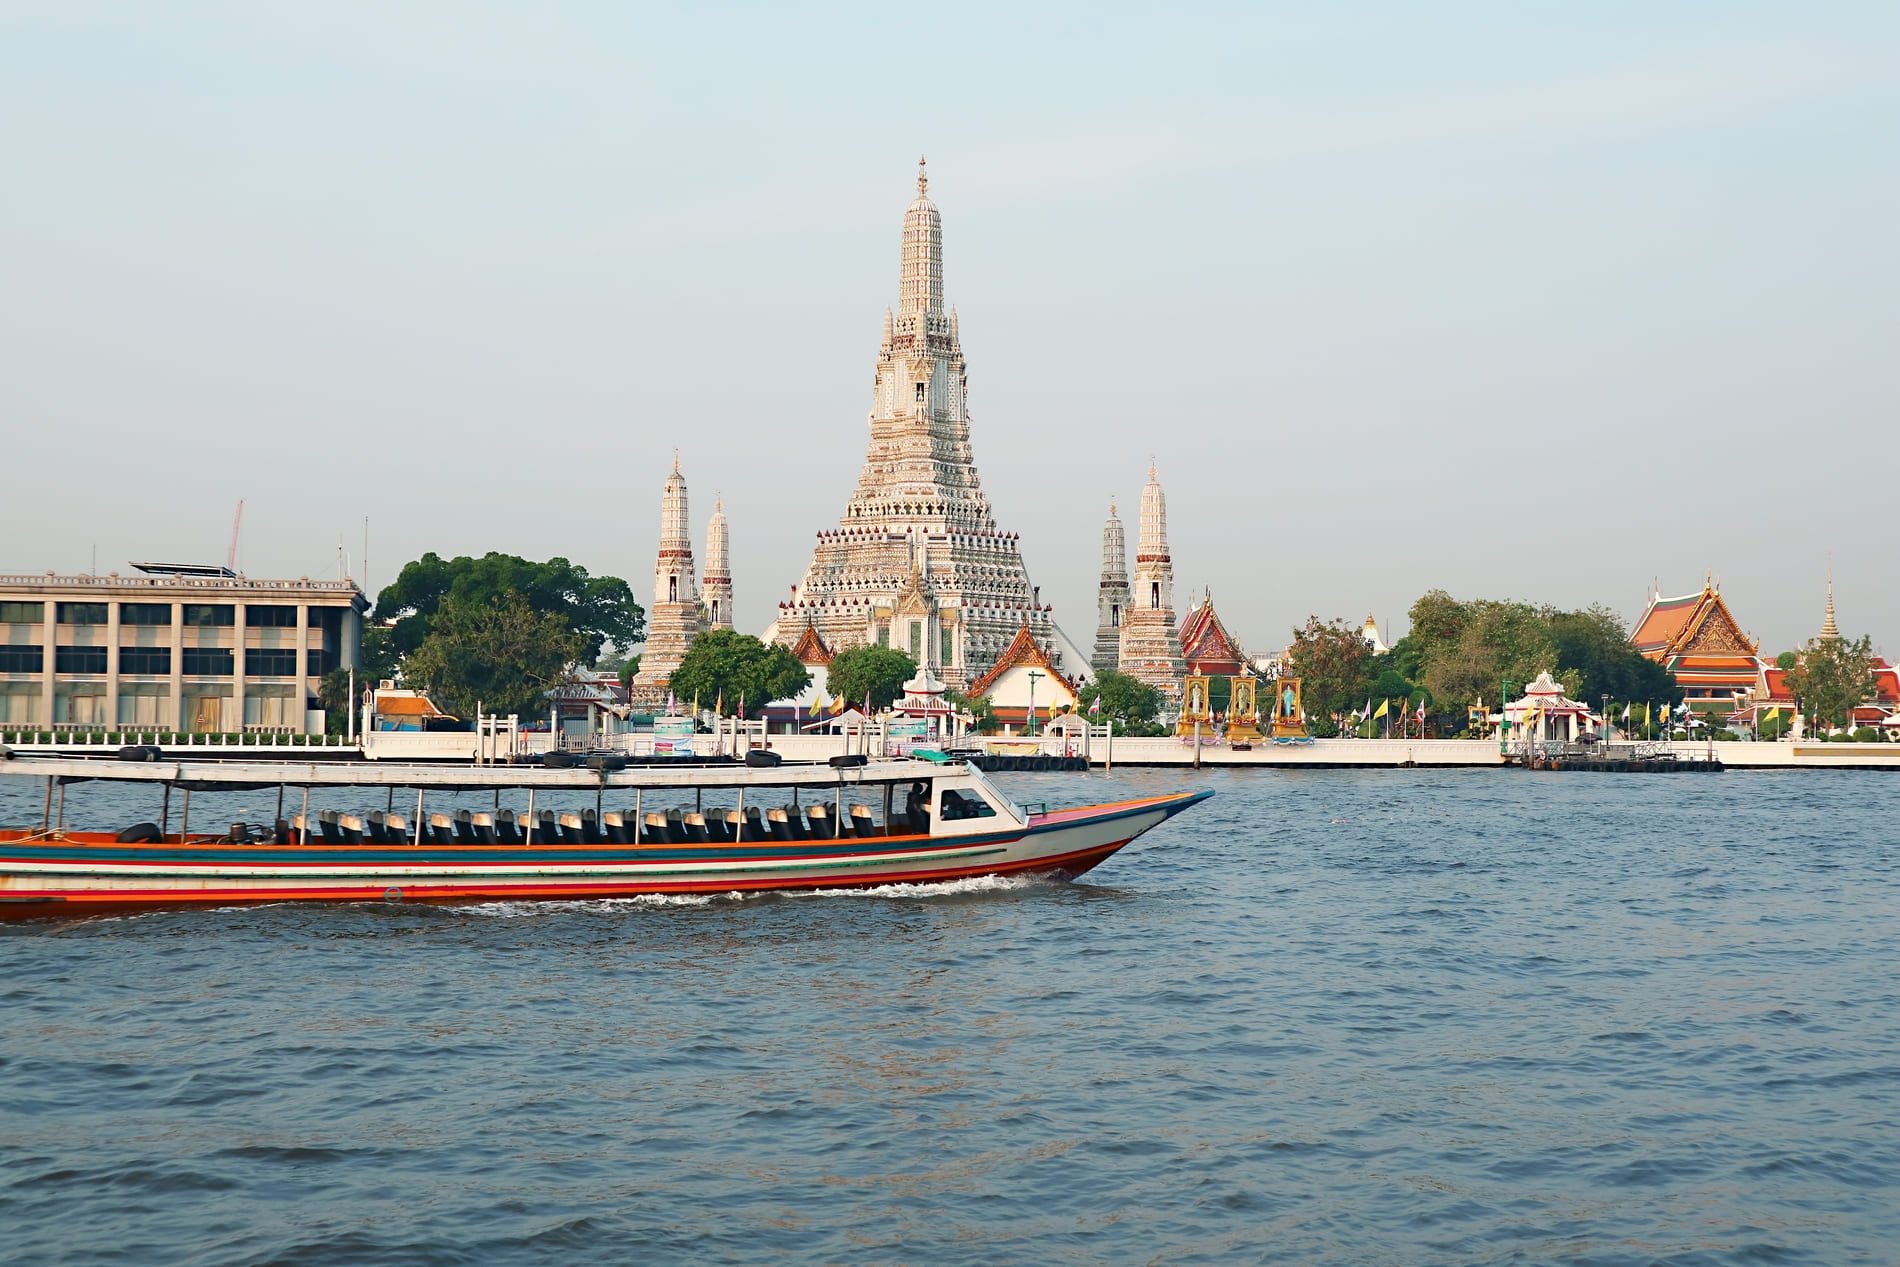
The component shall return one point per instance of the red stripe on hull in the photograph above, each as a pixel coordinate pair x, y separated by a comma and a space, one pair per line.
71, 904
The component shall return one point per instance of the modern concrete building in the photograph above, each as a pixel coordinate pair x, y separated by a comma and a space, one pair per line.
172, 648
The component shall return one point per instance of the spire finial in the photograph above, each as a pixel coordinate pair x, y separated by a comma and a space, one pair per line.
923, 177
676, 461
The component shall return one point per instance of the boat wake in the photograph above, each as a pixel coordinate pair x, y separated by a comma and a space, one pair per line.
974, 886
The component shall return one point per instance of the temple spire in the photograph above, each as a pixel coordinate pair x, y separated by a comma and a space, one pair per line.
1111, 600
920, 278
1830, 632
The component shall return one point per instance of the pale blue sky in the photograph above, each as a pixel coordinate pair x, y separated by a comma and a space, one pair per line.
1518, 300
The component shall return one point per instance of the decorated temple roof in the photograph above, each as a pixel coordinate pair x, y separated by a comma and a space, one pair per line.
1023, 651
1206, 645
810, 649
1694, 624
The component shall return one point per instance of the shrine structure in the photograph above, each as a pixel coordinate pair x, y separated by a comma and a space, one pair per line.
1111, 599
675, 619
1206, 646
917, 561
1702, 645
718, 590
1150, 644
1025, 683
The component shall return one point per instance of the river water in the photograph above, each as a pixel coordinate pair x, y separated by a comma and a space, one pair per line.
1475, 1016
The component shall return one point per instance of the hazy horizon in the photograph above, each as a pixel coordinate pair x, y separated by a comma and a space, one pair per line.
1518, 305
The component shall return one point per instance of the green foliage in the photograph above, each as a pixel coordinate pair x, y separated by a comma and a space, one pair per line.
724, 668
1592, 645
1787, 660
1866, 734
1774, 728
1131, 704
982, 714
504, 656
599, 609
879, 672
1334, 666
1832, 676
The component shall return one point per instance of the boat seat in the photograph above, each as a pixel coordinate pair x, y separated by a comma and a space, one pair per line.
397, 828
571, 830
676, 825
653, 830
351, 827
694, 824
781, 826
507, 830
795, 820
326, 823
441, 829
720, 827
755, 828
547, 829
484, 825
376, 831
465, 828
614, 824
863, 822
822, 828
591, 832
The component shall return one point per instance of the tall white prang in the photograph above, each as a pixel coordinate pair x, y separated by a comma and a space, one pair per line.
917, 562
1151, 643
676, 618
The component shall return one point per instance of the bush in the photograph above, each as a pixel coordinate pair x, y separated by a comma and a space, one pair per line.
1866, 734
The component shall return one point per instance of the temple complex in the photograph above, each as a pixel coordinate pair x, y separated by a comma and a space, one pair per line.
1207, 648
1700, 642
917, 562
1150, 644
675, 618
1025, 685
718, 590
1111, 595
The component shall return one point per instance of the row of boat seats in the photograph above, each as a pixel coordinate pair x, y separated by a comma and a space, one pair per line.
676, 827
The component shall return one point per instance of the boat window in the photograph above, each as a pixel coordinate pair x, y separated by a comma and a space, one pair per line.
958, 804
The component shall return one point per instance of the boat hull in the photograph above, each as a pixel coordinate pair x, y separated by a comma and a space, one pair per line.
71, 874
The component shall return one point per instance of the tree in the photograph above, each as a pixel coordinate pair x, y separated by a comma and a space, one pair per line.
724, 668
982, 713
1832, 676
878, 672
1494, 642
1131, 704
1592, 645
1333, 663
600, 609
503, 656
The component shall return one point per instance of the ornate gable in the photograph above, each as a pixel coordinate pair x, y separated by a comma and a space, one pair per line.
1205, 640
1714, 632
810, 649
1023, 651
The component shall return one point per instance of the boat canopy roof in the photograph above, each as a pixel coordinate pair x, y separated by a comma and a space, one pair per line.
234, 776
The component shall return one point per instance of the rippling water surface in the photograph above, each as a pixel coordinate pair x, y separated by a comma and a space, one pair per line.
1347, 1017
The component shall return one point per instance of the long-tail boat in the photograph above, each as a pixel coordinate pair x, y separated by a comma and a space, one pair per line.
721, 828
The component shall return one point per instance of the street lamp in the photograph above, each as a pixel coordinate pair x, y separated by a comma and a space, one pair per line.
1034, 677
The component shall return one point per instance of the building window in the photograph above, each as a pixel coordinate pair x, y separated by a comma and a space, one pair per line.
21, 658
208, 661
145, 660
79, 659
147, 704
270, 662
210, 614
145, 613
883, 635
916, 642
82, 613
313, 663
22, 613
270, 616
943, 639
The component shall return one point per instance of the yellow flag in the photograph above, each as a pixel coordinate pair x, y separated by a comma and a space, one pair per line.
837, 706
1381, 710
1772, 713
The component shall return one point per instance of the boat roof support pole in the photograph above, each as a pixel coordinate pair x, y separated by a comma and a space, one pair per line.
303, 832
419, 795
280, 800
59, 816
184, 819
165, 809
46, 812
529, 838
639, 823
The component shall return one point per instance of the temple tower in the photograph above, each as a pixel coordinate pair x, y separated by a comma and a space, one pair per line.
718, 590
917, 561
1151, 645
1830, 632
675, 618
1111, 596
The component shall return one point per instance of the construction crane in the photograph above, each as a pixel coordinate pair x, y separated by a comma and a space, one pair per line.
237, 522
